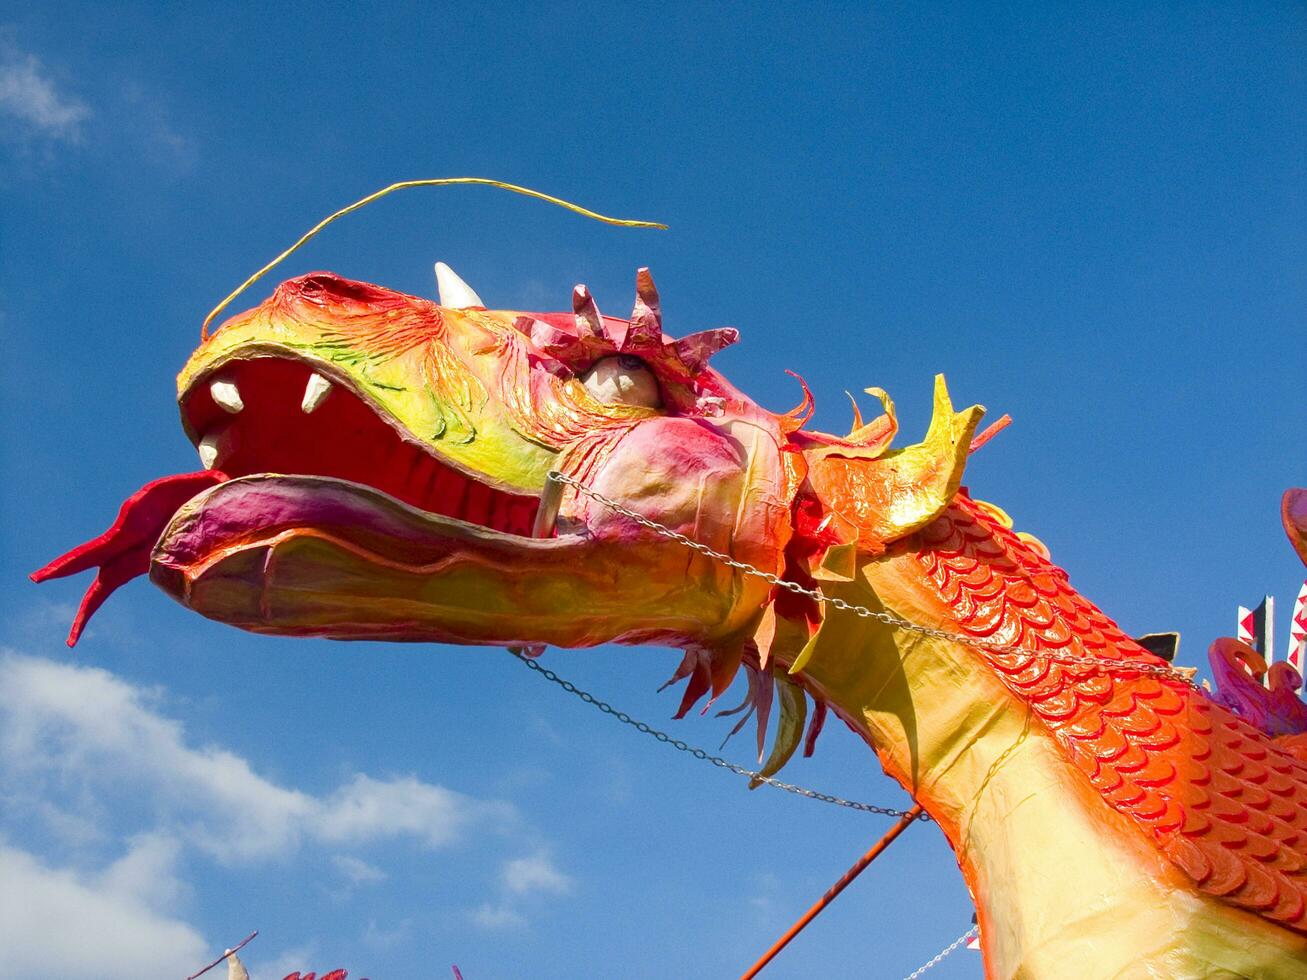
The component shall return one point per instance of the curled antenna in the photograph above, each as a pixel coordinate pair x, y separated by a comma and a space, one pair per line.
404, 185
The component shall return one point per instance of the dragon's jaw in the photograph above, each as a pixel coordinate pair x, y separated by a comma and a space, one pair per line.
344, 436
337, 521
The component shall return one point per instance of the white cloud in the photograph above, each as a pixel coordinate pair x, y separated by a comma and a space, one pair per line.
380, 938
369, 809
88, 760
519, 879
358, 872
528, 875
28, 94
63, 726
491, 916
122, 926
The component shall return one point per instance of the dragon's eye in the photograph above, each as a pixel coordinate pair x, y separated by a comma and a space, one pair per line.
622, 380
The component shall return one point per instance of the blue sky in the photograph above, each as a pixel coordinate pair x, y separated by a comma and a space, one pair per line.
1093, 220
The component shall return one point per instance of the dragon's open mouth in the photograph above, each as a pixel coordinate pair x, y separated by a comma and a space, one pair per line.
275, 415
297, 457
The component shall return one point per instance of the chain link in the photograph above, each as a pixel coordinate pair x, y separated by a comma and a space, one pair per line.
934, 960
703, 755
999, 649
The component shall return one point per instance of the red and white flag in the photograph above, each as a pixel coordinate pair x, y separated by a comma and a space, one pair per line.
1246, 631
1298, 630
1257, 629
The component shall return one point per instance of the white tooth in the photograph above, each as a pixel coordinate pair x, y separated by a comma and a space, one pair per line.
217, 445
226, 395
453, 291
208, 448
315, 393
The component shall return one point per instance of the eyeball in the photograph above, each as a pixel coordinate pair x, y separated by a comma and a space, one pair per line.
623, 380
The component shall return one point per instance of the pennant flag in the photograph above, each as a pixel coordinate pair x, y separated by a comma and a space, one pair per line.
1256, 628
1298, 630
1246, 632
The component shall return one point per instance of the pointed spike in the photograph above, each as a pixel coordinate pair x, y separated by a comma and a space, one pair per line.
990, 432
766, 692
880, 432
820, 710
750, 675
589, 321
789, 730
695, 350
736, 729
453, 291
725, 664
765, 635
857, 413
683, 670
797, 417
700, 682
805, 654
646, 327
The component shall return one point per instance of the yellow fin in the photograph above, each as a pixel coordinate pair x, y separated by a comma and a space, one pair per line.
789, 729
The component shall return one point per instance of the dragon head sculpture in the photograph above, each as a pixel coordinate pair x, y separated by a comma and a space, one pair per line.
376, 465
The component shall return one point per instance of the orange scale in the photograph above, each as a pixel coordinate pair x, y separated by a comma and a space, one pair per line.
1171, 818
1164, 737
1279, 784
1191, 859
1226, 784
1111, 745
1197, 719
1058, 706
1125, 796
1151, 808
1264, 828
1255, 797
1230, 817
977, 576
1124, 704
1158, 772
1195, 823
1107, 781
1198, 777
1025, 676
1087, 727
1021, 595
1046, 584
1097, 687
1261, 890
1132, 760
1290, 908
1254, 750
985, 622
1287, 811
1141, 723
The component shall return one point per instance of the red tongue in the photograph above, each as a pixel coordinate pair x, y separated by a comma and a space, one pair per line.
123, 551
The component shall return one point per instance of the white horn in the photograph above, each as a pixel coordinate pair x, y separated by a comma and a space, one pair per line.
453, 291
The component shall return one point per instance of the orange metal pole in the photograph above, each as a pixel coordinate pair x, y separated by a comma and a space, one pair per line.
905, 821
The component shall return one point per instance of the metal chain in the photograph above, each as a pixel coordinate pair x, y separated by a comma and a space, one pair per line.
703, 755
934, 960
1001, 649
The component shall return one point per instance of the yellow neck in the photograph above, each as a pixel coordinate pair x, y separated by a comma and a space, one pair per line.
1064, 884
